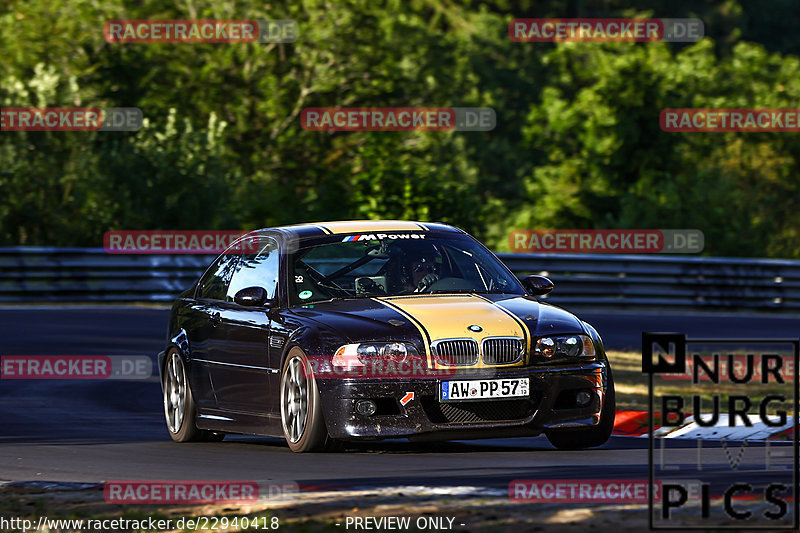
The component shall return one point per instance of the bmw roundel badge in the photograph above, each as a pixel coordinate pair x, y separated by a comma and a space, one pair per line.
475, 328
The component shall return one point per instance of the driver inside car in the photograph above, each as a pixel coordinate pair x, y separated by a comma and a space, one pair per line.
424, 272
414, 269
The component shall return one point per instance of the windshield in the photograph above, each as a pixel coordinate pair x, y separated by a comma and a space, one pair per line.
394, 265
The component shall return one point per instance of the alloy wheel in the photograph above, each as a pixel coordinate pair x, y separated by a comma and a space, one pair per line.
294, 405
174, 393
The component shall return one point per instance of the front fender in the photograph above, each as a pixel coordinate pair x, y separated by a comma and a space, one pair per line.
314, 341
598, 341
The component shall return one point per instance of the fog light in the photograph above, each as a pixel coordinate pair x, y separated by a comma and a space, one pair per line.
366, 407
583, 399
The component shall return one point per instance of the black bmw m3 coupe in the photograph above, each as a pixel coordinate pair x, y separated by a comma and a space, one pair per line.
364, 330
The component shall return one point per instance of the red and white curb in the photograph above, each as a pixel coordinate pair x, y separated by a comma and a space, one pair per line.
635, 424
631, 423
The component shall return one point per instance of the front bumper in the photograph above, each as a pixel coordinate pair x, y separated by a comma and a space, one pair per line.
551, 405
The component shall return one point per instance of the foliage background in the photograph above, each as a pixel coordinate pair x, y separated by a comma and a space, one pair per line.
577, 143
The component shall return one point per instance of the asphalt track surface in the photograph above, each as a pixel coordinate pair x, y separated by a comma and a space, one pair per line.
94, 431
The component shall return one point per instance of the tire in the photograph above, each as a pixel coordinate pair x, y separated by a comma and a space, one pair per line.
301, 410
180, 410
596, 435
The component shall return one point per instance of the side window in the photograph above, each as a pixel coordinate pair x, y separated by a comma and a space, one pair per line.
257, 269
214, 284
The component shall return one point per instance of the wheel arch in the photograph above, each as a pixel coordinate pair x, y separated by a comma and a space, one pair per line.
179, 342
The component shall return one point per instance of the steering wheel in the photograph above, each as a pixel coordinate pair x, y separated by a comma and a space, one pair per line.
426, 282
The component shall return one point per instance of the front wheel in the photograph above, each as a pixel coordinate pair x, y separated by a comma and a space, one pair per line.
179, 407
301, 409
594, 436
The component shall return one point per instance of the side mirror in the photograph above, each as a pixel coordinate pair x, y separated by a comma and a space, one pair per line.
251, 296
537, 285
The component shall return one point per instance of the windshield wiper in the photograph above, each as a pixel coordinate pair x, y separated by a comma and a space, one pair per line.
348, 297
334, 299
456, 291
465, 291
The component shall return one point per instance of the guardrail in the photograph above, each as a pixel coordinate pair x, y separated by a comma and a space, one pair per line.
43, 275
91, 274
665, 282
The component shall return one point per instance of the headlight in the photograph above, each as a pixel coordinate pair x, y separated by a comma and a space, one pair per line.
564, 346
355, 355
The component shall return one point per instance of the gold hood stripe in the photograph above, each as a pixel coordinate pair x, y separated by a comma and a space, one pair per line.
523, 325
422, 331
448, 316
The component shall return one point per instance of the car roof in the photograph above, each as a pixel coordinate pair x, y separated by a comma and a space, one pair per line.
345, 227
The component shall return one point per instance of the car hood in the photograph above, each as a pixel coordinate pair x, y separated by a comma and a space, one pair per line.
442, 316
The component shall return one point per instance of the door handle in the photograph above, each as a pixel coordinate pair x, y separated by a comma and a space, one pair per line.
215, 319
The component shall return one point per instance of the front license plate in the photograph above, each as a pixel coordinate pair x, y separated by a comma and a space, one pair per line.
483, 389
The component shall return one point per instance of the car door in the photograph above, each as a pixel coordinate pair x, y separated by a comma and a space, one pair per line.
201, 322
241, 375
